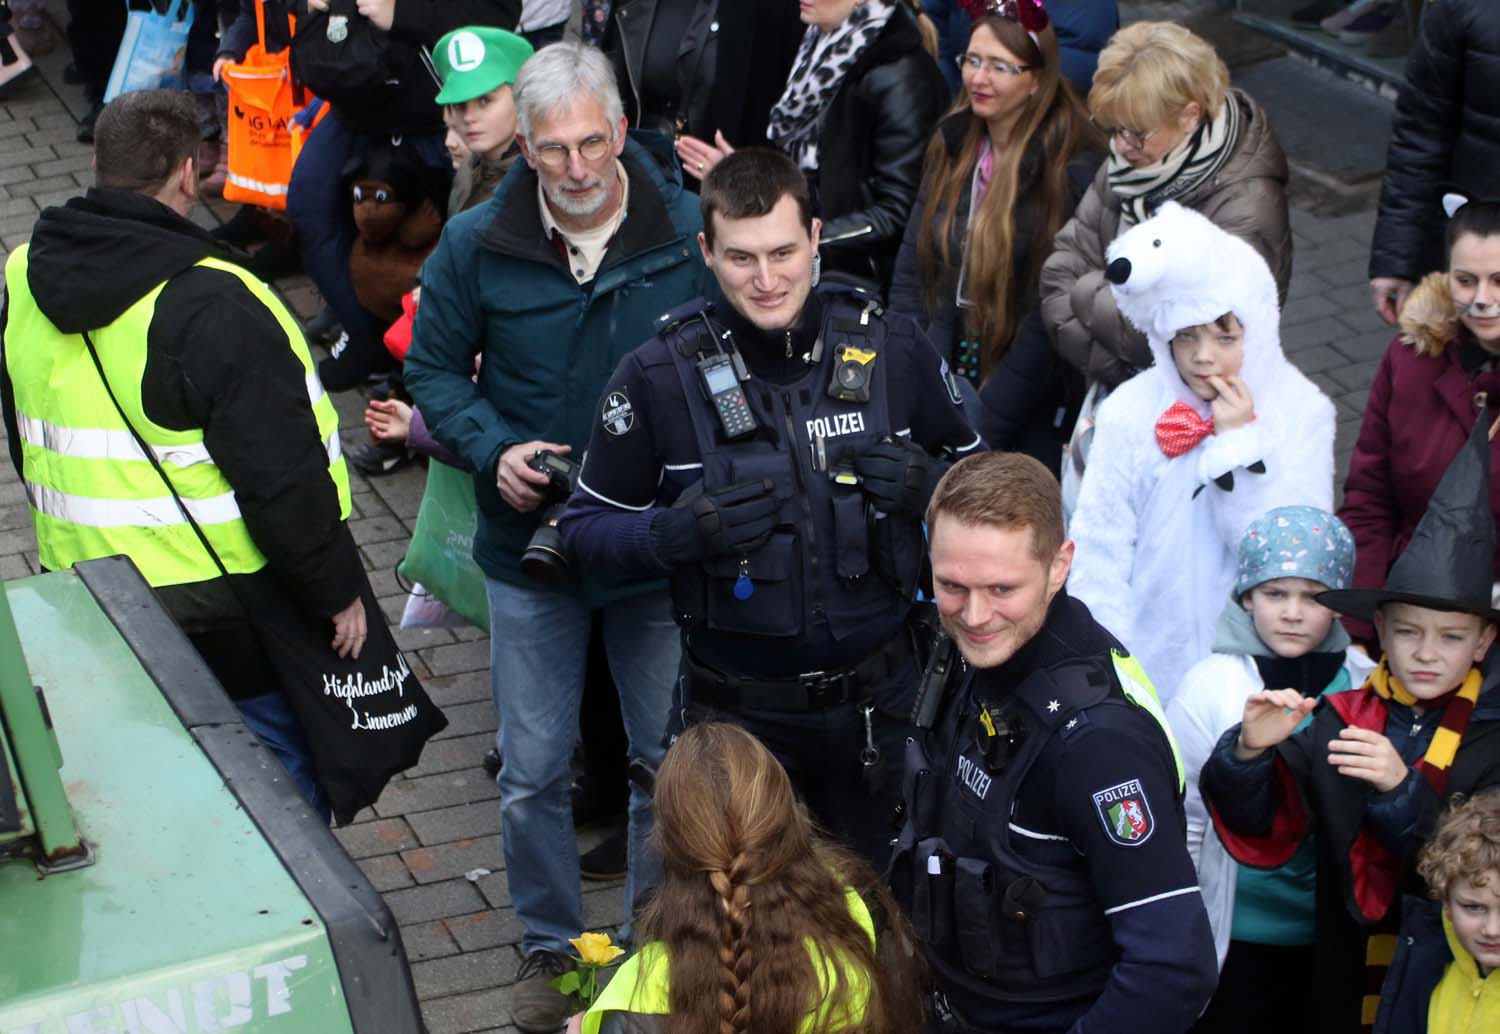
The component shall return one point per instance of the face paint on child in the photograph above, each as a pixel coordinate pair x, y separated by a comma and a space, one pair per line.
1431, 651
1474, 910
1287, 616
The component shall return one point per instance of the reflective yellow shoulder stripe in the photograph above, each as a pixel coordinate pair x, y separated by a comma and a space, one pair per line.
1139, 688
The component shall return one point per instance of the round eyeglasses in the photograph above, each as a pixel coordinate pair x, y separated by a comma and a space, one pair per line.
556, 155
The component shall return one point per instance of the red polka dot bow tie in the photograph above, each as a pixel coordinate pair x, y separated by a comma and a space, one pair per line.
1179, 429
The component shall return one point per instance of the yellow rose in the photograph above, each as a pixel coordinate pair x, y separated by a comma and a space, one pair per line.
595, 949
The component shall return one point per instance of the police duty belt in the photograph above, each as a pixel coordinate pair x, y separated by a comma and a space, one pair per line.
812, 691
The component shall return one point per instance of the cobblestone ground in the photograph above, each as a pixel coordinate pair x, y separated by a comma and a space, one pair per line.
439, 823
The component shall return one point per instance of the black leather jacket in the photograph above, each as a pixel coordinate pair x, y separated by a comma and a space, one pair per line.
1446, 135
731, 91
697, 60
871, 147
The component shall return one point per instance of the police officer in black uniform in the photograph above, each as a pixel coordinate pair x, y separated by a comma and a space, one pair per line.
1042, 859
774, 449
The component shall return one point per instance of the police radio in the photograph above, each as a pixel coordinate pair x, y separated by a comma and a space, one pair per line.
720, 373
934, 684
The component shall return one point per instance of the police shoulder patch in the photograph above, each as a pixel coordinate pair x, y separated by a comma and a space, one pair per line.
1126, 813
616, 413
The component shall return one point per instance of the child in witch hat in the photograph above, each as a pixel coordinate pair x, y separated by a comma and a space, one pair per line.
1376, 766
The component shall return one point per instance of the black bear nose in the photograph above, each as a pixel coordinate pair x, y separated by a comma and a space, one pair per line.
1118, 271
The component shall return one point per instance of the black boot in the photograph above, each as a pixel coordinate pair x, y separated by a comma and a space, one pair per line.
353, 360
324, 328
376, 458
85, 132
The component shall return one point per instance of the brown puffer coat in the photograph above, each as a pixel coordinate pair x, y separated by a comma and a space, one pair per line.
1247, 197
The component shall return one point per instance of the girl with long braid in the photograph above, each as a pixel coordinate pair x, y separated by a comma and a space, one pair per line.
758, 923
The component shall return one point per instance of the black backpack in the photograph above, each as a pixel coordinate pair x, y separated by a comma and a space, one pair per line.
342, 57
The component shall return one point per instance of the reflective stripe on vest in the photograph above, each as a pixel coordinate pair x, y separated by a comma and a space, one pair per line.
1142, 692
91, 490
101, 444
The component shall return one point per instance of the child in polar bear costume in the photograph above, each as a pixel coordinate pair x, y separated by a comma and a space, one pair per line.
1187, 453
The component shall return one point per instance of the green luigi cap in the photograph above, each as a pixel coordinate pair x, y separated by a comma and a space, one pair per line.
474, 60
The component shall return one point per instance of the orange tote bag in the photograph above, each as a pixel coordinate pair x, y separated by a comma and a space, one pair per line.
262, 101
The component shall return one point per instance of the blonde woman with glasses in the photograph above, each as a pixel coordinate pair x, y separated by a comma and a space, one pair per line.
1178, 132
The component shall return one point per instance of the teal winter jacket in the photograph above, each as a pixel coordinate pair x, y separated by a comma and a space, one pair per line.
498, 288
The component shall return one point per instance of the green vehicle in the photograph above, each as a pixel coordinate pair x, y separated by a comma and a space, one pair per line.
158, 872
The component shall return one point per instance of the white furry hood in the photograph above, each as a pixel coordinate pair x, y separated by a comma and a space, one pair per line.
1178, 269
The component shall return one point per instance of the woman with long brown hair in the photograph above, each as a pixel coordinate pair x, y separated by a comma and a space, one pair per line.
1002, 175
758, 923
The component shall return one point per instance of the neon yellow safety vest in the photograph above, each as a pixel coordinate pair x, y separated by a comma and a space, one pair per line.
642, 986
92, 491
1140, 691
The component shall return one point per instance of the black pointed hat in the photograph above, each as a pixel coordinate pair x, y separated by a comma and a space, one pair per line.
1449, 561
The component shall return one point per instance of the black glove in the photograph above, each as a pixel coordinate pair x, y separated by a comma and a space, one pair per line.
736, 519
897, 475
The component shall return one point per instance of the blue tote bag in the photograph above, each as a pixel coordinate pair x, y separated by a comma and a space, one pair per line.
153, 49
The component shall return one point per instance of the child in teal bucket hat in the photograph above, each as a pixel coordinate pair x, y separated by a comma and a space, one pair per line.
1271, 634
477, 65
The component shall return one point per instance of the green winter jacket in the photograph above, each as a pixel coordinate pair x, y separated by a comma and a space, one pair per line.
496, 287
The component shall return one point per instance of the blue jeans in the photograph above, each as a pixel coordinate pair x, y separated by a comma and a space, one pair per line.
321, 210
270, 717
538, 645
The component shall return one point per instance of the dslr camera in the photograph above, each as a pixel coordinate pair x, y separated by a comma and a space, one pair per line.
544, 558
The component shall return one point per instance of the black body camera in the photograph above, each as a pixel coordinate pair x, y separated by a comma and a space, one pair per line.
544, 558
853, 369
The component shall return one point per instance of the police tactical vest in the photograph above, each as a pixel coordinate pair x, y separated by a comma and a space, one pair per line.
1009, 914
92, 492
832, 558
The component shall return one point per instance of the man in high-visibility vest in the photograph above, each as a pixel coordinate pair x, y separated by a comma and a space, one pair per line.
123, 318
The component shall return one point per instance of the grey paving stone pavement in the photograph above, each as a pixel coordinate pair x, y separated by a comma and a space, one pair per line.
440, 821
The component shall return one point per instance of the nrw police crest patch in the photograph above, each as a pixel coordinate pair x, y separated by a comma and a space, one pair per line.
1125, 813
617, 415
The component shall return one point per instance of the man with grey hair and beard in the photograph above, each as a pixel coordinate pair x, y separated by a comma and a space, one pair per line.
551, 282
